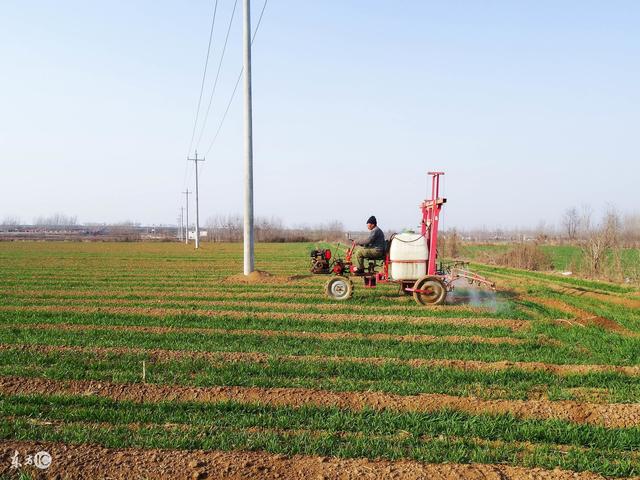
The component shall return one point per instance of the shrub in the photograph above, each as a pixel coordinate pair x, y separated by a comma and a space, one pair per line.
528, 256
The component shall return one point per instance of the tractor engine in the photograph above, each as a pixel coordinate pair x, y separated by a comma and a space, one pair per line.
320, 261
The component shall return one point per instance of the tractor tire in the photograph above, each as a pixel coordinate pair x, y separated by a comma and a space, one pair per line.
437, 291
339, 288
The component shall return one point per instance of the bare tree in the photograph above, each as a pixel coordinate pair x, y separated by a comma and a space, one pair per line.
571, 222
56, 220
450, 244
542, 232
631, 230
224, 228
600, 239
10, 221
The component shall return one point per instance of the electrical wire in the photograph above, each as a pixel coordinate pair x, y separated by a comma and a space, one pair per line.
204, 76
224, 116
235, 88
215, 83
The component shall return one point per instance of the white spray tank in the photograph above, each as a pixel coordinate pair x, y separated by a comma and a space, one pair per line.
408, 256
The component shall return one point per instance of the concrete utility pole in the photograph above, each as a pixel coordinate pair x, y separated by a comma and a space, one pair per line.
195, 161
186, 227
248, 143
181, 223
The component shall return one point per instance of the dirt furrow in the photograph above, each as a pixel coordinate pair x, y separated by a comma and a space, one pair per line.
274, 333
608, 415
92, 461
163, 355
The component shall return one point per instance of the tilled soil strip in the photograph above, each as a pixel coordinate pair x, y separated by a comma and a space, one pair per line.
609, 415
273, 333
162, 355
92, 461
514, 325
582, 317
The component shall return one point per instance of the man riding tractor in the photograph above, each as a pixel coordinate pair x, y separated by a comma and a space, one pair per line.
372, 247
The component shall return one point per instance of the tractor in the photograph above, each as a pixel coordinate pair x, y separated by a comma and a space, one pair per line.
411, 261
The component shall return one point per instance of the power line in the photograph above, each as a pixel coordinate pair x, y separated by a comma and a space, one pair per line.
215, 83
235, 88
224, 116
204, 75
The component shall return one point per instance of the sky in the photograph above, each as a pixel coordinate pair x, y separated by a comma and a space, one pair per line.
530, 107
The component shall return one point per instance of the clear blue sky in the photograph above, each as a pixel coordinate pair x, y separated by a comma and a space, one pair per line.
529, 106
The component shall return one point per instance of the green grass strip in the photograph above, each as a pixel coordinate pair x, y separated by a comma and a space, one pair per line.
286, 345
250, 322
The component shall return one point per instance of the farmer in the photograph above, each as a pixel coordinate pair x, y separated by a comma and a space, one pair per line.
373, 247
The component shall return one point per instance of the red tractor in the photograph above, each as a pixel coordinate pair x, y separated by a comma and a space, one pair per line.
410, 261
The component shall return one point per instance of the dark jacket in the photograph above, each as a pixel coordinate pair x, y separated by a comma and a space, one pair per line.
374, 240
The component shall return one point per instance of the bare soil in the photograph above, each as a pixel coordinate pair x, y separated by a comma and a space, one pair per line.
257, 276
609, 415
93, 461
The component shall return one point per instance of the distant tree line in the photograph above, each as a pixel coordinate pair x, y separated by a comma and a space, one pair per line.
230, 228
601, 243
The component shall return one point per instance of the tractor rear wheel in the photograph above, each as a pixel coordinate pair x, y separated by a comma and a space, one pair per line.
339, 288
433, 291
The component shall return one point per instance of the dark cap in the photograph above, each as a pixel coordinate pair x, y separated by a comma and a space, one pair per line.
372, 220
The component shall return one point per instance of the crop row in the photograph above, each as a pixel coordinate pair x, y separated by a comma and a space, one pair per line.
325, 374
529, 351
248, 321
443, 436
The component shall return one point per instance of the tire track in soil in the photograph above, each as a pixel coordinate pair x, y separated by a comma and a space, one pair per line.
163, 354
272, 333
607, 415
93, 461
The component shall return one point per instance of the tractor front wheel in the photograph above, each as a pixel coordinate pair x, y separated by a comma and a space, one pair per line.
339, 288
429, 290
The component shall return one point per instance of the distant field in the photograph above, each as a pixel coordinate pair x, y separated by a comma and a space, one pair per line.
151, 360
